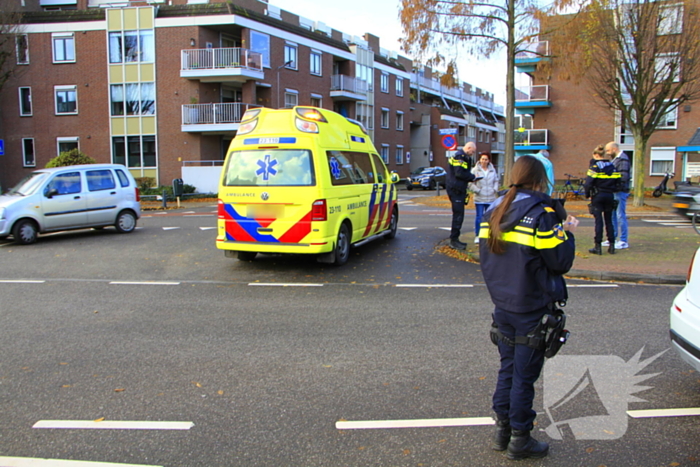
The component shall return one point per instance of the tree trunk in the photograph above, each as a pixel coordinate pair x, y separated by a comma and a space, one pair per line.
640, 149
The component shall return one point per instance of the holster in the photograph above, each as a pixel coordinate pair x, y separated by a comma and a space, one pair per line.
549, 335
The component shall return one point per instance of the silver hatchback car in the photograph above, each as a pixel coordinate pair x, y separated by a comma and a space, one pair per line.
67, 198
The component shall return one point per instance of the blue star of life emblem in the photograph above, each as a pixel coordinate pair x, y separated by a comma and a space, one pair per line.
335, 168
267, 168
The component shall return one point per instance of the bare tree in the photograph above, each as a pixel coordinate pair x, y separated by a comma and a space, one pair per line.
481, 27
10, 27
641, 59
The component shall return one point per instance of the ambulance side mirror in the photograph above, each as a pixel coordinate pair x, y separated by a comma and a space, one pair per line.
395, 177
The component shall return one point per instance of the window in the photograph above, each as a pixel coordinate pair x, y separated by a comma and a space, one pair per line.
65, 184
385, 118
98, 180
670, 20
132, 46
667, 65
315, 63
140, 99
29, 159
290, 56
22, 49
364, 73
269, 167
662, 160
291, 98
399, 121
399, 86
260, 43
348, 168
471, 132
63, 47
384, 82
66, 144
669, 121
364, 114
316, 100
385, 153
399, 155
123, 179
66, 98
25, 102
135, 151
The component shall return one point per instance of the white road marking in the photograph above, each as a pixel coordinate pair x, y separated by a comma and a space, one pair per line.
112, 425
282, 284
664, 413
408, 228
440, 215
445, 228
592, 285
189, 212
8, 281
143, 283
36, 462
171, 228
438, 422
160, 212
434, 285
206, 228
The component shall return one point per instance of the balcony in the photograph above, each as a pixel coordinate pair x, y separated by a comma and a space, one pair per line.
223, 117
221, 65
433, 86
526, 60
531, 140
529, 98
347, 88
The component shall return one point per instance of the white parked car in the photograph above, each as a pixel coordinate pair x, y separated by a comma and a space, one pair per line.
685, 316
67, 198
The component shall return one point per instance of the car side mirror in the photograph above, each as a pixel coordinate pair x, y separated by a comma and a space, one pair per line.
51, 193
395, 177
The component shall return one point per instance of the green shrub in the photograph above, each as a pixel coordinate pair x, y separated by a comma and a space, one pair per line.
72, 157
145, 183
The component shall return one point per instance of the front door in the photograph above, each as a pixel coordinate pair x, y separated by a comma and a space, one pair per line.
64, 203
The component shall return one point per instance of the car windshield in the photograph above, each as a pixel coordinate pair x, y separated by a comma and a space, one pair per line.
29, 184
429, 171
269, 167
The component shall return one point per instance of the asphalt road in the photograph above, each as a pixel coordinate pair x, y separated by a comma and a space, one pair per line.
159, 326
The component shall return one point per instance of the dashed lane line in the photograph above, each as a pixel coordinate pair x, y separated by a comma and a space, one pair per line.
435, 285
171, 228
284, 284
143, 283
422, 423
652, 413
112, 425
19, 281
207, 228
36, 462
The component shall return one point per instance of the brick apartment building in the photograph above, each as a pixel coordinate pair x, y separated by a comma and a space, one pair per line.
160, 86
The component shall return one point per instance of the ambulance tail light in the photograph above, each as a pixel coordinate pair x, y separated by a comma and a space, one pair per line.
138, 194
306, 127
319, 210
220, 210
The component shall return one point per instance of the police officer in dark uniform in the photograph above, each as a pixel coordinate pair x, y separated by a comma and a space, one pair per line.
459, 174
602, 182
526, 244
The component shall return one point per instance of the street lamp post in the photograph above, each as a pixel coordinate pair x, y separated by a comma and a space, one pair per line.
286, 64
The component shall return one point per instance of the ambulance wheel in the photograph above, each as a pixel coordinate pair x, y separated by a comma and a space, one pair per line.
393, 224
246, 255
342, 246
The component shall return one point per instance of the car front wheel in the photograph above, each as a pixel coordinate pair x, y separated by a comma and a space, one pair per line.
126, 222
25, 232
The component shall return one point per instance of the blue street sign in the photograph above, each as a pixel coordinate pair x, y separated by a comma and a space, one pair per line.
2, 147
448, 131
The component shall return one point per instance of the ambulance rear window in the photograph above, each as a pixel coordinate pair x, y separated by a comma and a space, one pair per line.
270, 167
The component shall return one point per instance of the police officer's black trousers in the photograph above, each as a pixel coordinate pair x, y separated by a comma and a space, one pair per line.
457, 201
520, 367
603, 205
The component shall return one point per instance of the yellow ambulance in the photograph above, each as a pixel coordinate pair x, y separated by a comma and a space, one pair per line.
304, 181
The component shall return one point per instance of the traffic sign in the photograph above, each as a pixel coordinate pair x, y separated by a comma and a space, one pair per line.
449, 142
448, 131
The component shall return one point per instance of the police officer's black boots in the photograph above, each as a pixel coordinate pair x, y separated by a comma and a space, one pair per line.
596, 250
611, 248
522, 446
502, 436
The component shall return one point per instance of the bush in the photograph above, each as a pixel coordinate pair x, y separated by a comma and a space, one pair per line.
72, 157
145, 183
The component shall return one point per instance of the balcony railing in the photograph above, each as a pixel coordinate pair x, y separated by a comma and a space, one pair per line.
221, 58
539, 93
214, 114
348, 84
531, 137
435, 86
534, 51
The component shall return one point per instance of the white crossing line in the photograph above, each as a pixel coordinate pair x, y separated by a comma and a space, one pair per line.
112, 425
427, 423
283, 284
435, 285
143, 283
206, 228
171, 228
18, 281
36, 462
408, 228
695, 411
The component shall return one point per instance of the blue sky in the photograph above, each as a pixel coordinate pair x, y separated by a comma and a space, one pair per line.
381, 18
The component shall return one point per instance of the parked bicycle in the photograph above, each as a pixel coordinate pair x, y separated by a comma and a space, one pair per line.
571, 190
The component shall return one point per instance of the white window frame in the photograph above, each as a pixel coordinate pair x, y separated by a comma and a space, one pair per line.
662, 154
66, 139
399, 155
471, 132
288, 94
316, 62
659, 62
399, 86
24, 153
670, 121
399, 120
63, 39
256, 36
21, 113
18, 50
384, 151
291, 54
384, 121
56, 90
670, 19
384, 82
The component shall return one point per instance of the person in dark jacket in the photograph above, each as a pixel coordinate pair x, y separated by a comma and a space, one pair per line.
602, 182
526, 245
622, 164
459, 174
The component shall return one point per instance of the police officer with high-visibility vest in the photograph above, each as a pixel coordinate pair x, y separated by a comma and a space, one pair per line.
459, 174
602, 182
526, 244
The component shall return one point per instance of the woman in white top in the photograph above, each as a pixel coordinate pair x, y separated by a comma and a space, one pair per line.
485, 188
